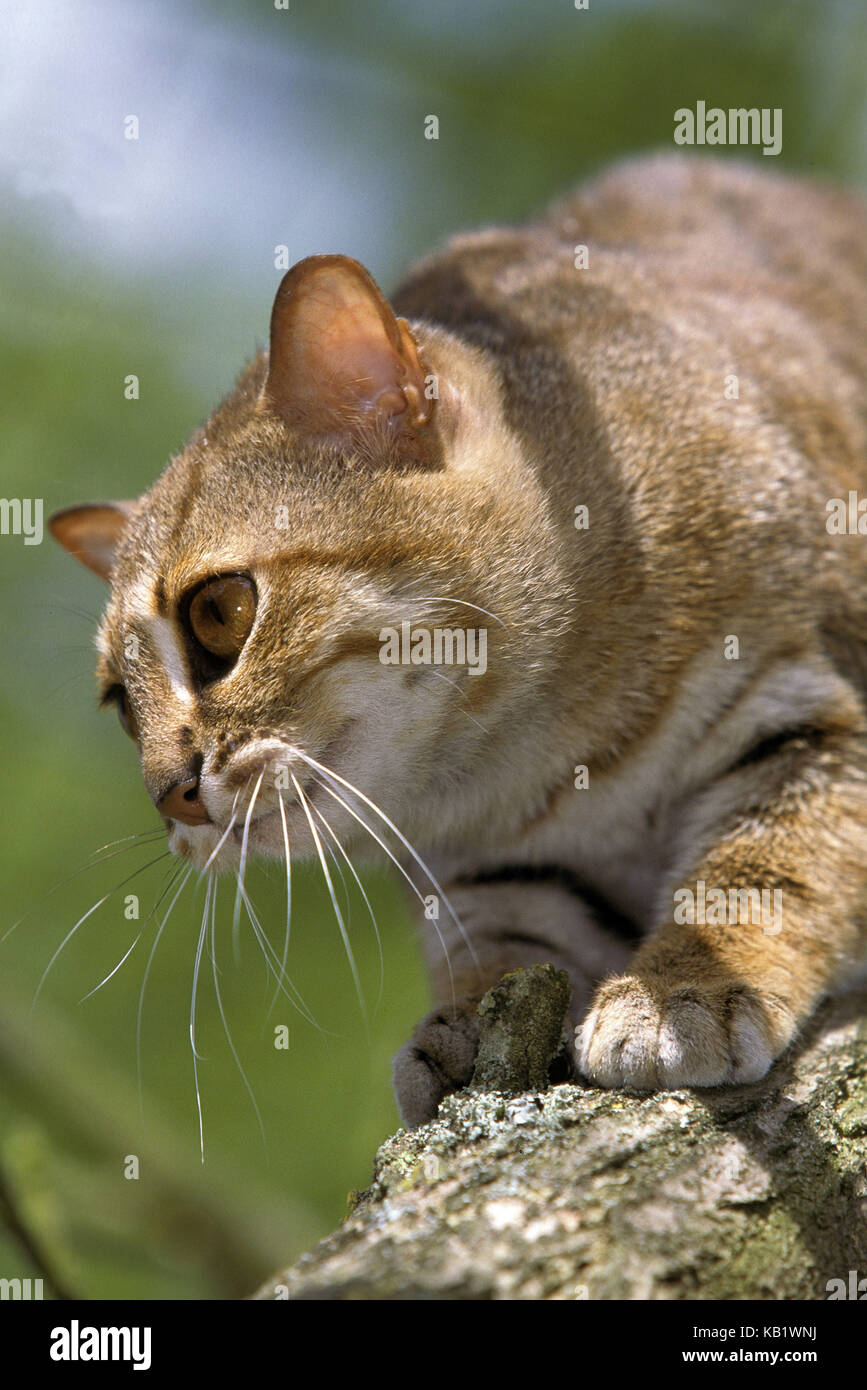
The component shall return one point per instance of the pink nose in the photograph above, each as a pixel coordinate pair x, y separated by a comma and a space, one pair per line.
182, 803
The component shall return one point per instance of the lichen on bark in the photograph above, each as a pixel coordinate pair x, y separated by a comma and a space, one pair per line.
570, 1192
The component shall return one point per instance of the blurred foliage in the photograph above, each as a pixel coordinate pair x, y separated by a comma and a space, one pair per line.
529, 97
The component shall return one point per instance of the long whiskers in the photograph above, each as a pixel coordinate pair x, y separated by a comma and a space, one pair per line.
271, 955
216, 850
320, 816
105, 897
244, 1078
335, 863
196, 1056
288, 854
139, 835
169, 875
342, 801
242, 868
142, 837
377, 810
186, 874
337, 913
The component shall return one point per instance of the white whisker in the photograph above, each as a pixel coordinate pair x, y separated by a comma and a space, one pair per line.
340, 922
236, 915
171, 879
213, 954
288, 904
320, 815
222, 840
196, 1057
126, 955
341, 801
334, 776
152, 834
144, 837
434, 598
347, 903
471, 717
265, 947
186, 873
105, 897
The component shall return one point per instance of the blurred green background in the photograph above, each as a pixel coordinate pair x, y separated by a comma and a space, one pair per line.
258, 128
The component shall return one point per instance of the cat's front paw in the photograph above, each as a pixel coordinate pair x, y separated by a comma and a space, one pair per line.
653, 1036
438, 1059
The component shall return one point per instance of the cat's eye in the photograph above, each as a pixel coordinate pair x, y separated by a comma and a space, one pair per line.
118, 695
221, 615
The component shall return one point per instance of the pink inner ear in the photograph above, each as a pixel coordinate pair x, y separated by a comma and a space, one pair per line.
353, 359
338, 357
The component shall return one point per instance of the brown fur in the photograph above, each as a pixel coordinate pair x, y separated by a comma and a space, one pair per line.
558, 387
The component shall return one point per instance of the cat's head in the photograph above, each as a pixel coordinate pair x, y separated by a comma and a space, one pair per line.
270, 594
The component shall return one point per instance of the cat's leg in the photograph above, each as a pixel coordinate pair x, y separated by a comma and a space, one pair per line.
715, 1000
503, 925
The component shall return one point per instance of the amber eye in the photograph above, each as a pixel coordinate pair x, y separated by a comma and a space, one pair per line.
221, 615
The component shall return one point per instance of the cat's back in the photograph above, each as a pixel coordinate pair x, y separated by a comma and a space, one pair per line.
674, 267
661, 226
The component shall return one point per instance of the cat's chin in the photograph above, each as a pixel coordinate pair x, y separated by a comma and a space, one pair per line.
205, 846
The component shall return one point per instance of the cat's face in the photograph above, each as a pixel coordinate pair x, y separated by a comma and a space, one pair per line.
254, 639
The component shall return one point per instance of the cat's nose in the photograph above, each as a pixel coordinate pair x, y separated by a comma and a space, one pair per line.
182, 802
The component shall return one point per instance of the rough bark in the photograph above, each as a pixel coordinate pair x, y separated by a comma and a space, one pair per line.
737, 1193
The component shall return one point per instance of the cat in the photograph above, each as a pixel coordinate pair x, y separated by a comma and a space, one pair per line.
609, 439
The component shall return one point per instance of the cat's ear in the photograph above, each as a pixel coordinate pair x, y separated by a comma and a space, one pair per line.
91, 532
342, 366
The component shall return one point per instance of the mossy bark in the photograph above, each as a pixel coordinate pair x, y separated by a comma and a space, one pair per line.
737, 1193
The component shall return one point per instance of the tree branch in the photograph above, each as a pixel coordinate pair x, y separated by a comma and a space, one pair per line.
748, 1192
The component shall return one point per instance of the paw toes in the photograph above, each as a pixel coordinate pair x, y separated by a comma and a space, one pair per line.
418, 1086
438, 1059
751, 1051
649, 1037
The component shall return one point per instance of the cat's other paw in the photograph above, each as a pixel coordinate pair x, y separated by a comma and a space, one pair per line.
439, 1058
643, 1033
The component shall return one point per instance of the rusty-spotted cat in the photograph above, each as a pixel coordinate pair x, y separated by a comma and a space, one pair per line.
601, 449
